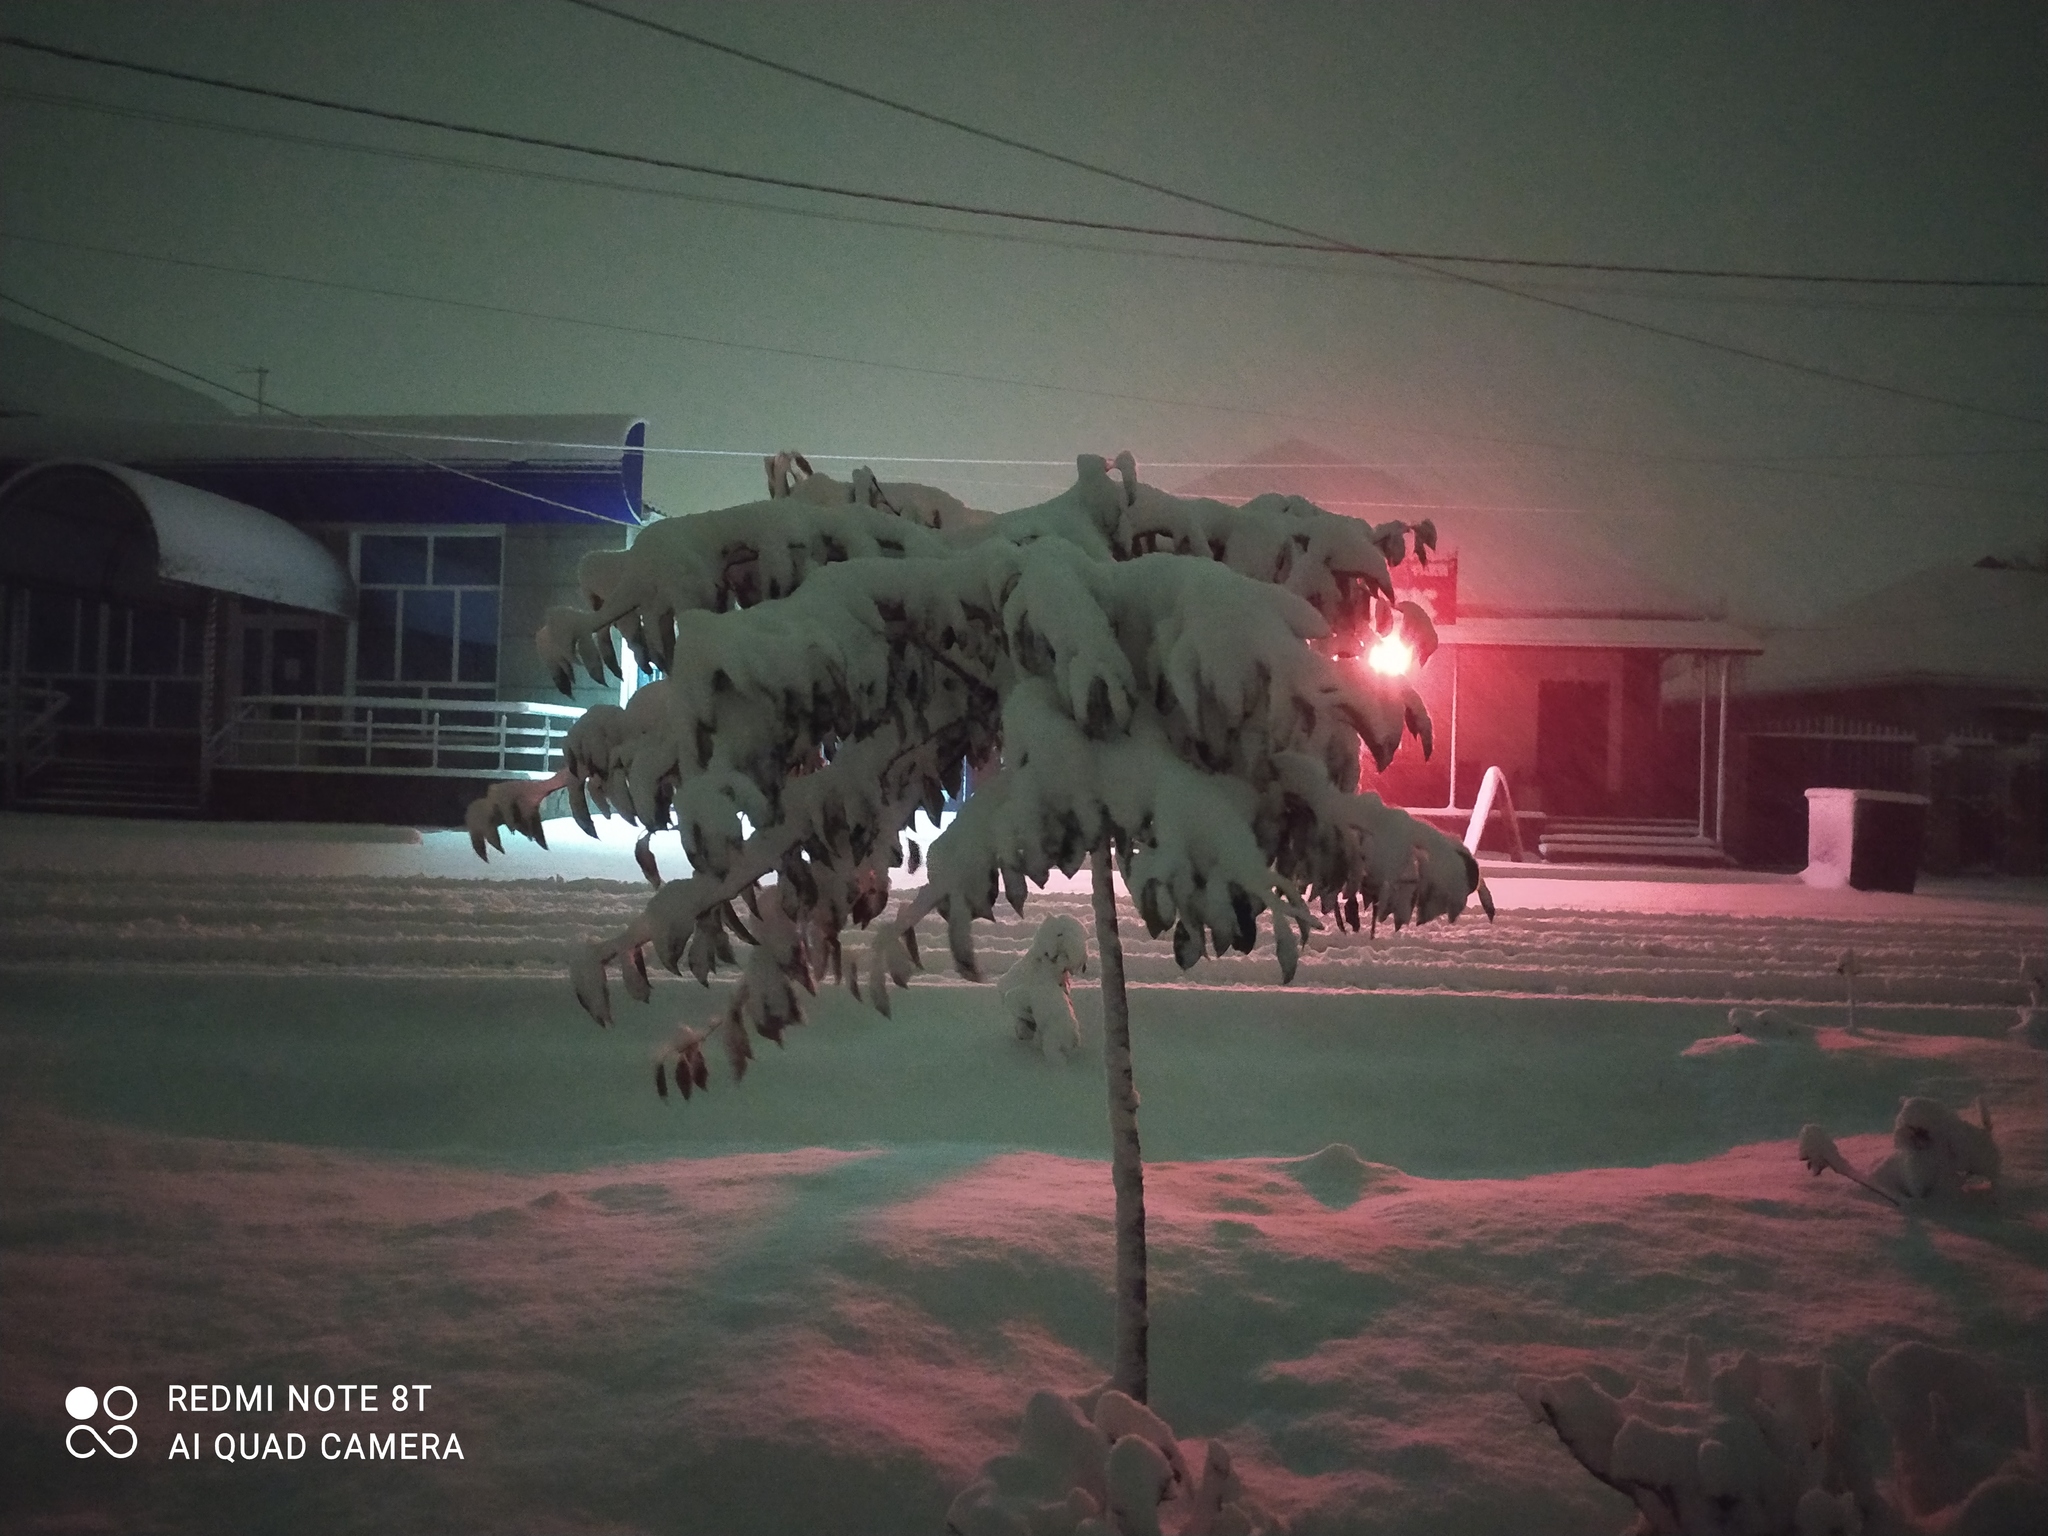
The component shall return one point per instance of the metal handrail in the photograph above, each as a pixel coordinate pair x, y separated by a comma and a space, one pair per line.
1482, 806
376, 733
32, 738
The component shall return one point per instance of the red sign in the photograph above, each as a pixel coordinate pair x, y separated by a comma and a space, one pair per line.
1434, 586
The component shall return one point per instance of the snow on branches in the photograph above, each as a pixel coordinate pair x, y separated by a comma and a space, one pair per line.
1770, 1446
1169, 678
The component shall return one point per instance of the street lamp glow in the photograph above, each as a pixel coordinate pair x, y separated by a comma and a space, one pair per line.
1390, 654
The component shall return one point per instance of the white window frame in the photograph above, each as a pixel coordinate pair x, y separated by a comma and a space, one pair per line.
356, 533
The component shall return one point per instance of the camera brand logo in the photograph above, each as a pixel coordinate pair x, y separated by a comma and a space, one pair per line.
83, 1404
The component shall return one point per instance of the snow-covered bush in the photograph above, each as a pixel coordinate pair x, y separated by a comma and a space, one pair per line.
1101, 1464
1771, 1448
1037, 987
1164, 684
1935, 1152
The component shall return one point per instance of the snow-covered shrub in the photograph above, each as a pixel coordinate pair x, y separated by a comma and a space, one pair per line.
1100, 1464
1771, 1448
1935, 1152
2032, 1028
1168, 686
1037, 988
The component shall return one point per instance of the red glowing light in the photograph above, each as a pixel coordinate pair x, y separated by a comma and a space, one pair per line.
1390, 654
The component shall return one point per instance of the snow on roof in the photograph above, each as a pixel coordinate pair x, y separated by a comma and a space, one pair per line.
575, 439
1510, 564
1576, 632
1951, 624
42, 375
204, 540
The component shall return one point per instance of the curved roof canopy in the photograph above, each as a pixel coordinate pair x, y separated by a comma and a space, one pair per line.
87, 525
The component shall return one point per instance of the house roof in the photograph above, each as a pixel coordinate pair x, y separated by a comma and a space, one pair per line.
1575, 632
1512, 566
355, 469
584, 439
1958, 624
42, 375
105, 526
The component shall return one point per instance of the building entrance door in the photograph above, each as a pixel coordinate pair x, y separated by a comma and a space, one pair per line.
1571, 747
280, 652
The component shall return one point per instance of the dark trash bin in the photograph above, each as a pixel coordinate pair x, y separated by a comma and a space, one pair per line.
1868, 839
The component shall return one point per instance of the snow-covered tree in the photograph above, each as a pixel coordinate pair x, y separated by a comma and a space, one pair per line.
1127, 679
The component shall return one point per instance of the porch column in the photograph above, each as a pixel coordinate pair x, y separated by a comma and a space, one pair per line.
1451, 793
1720, 758
1699, 664
13, 610
209, 695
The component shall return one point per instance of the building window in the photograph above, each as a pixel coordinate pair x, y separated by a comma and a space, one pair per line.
427, 614
119, 666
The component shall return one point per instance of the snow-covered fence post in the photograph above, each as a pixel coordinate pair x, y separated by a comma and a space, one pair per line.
1169, 683
1130, 1374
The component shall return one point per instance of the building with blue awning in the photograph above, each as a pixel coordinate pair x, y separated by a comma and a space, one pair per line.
272, 617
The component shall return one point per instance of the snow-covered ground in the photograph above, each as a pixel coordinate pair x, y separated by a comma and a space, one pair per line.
298, 1107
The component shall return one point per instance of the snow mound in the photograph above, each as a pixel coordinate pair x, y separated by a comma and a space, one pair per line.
1338, 1177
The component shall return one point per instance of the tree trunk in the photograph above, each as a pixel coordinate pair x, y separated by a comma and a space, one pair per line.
1127, 1164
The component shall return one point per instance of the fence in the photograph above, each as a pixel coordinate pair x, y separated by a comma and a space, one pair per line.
454, 737
31, 727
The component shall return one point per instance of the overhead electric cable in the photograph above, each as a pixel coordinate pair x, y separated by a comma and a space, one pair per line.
698, 39
1264, 255
1777, 464
1305, 240
311, 423
1331, 242
1325, 243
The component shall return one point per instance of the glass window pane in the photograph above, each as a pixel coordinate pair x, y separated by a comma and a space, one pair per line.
94, 621
294, 657
177, 706
252, 662
52, 632
427, 653
154, 641
90, 636
394, 559
466, 562
479, 651
377, 637
125, 702
81, 700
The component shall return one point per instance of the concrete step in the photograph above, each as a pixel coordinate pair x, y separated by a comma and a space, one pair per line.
113, 789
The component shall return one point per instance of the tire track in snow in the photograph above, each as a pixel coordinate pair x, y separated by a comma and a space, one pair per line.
385, 926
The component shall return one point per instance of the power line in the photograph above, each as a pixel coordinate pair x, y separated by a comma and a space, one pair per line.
806, 354
1779, 464
1205, 255
309, 422
1074, 162
1320, 242
1328, 242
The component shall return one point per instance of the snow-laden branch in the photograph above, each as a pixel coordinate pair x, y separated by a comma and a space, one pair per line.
1116, 667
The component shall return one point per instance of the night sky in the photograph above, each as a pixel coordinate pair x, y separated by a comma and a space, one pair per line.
1877, 141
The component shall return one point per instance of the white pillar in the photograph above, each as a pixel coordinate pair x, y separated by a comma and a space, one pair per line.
1721, 761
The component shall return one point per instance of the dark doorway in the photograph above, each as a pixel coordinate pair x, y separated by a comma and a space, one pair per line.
1571, 747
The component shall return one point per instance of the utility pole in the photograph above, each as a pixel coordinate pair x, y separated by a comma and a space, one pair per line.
262, 376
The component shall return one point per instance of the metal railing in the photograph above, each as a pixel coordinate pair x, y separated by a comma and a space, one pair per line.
31, 729
468, 738
1491, 782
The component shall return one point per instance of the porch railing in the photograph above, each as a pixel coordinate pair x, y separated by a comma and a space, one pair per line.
466, 738
31, 730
